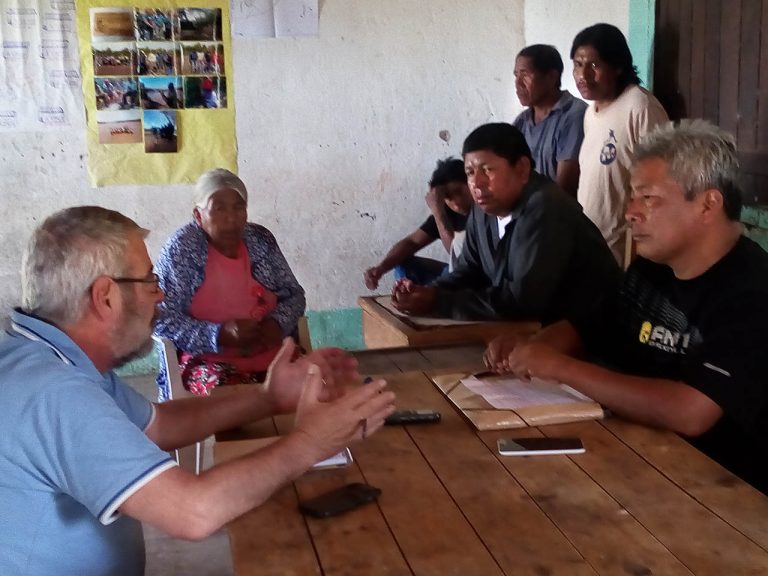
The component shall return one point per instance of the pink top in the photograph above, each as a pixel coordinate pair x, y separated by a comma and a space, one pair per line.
229, 292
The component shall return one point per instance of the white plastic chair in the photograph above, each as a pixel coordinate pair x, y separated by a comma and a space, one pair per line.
190, 458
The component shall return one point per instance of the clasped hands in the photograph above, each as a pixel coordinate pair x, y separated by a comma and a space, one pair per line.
247, 335
412, 298
523, 358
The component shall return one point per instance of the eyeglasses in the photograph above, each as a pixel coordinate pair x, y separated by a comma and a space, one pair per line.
151, 279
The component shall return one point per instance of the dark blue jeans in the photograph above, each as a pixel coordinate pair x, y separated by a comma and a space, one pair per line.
422, 271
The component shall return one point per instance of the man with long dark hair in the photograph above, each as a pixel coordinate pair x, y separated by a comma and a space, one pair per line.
621, 113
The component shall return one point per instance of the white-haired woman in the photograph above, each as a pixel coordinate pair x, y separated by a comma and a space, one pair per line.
230, 296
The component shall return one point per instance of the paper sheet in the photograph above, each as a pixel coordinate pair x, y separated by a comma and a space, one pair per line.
513, 393
39, 68
274, 18
253, 18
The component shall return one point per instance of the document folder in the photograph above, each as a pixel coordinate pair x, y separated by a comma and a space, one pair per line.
484, 416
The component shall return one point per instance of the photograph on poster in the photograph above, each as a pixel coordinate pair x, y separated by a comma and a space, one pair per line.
160, 132
111, 25
155, 25
202, 58
119, 126
161, 92
205, 92
114, 59
199, 24
157, 59
116, 93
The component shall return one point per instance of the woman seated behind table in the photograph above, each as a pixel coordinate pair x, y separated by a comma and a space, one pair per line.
230, 296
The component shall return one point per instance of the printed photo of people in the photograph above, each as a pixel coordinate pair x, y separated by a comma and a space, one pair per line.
111, 24
155, 25
161, 92
205, 92
199, 24
160, 134
202, 58
113, 59
119, 126
157, 59
116, 93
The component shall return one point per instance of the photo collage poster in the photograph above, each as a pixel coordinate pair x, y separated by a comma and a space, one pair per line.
158, 82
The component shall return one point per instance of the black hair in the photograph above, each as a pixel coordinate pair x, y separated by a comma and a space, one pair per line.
543, 58
448, 170
501, 138
612, 48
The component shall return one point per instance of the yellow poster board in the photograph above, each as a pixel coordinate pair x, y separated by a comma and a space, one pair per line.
158, 90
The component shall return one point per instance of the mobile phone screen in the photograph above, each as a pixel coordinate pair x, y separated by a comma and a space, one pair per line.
539, 446
340, 500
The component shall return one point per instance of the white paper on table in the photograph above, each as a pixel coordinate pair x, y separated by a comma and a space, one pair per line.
252, 18
343, 458
513, 393
296, 18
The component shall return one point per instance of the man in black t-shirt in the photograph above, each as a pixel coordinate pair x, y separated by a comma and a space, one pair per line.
449, 202
685, 337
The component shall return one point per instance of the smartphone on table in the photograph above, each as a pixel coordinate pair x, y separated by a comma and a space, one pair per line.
339, 500
539, 446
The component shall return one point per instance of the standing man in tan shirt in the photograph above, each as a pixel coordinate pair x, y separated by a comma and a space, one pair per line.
621, 114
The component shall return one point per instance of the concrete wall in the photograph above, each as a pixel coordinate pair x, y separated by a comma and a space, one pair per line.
337, 135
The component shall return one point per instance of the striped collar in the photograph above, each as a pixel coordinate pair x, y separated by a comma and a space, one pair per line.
38, 330
30, 335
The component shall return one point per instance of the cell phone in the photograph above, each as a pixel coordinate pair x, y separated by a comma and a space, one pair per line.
539, 446
340, 500
412, 417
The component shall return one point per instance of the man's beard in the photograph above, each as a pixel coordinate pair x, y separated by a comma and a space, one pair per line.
133, 339
143, 350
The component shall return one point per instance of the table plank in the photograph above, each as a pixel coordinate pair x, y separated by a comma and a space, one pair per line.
743, 507
699, 538
339, 540
374, 362
608, 537
258, 429
516, 532
378, 333
282, 549
469, 357
409, 360
431, 530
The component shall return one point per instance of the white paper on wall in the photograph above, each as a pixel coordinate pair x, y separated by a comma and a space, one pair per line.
296, 18
274, 18
39, 66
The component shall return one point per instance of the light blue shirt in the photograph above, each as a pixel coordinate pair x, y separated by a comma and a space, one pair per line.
72, 449
556, 138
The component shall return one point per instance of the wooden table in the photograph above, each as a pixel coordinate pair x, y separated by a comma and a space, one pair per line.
383, 329
638, 502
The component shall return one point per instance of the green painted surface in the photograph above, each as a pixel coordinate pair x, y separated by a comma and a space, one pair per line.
755, 219
642, 24
755, 216
342, 328
140, 367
